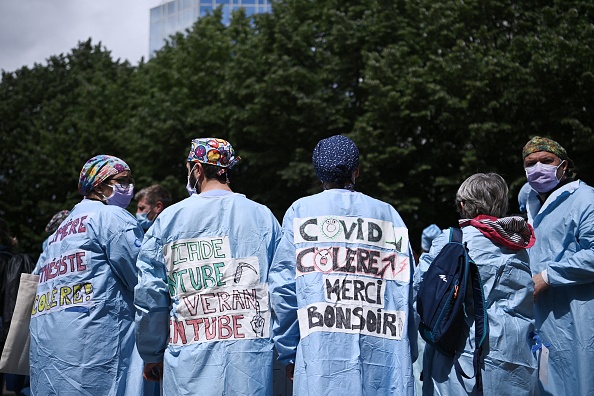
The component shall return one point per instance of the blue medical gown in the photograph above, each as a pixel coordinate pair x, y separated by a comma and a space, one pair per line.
509, 365
202, 295
564, 313
82, 327
341, 289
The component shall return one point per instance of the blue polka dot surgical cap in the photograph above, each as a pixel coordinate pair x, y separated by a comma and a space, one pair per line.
335, 159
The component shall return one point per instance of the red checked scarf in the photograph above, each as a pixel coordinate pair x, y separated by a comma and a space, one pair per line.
511, 232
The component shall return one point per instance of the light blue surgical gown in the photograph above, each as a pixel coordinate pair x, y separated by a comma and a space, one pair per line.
82, 325
341, 289
509, 364
202, 295
564, 313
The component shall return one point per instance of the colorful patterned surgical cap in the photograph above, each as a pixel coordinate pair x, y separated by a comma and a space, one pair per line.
538, 143
56, 220
213, 151
335, 159
97, 170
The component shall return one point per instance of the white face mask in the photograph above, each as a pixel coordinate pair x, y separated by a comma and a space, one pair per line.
191, 189
542, 177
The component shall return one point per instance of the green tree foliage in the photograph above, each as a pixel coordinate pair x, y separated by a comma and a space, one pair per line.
53, 118
465, 85
177, 97
432, 92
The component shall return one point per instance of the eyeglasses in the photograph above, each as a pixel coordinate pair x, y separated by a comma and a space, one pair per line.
122, 181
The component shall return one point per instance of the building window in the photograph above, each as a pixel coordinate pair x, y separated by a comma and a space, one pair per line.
171, 8
156, 13
250, 10
188, 18
226, 14
205, 10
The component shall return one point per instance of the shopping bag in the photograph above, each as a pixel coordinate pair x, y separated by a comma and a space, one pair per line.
15, 355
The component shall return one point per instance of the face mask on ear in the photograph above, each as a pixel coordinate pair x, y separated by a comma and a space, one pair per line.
121, 196
542, 177
191, 190
143, 220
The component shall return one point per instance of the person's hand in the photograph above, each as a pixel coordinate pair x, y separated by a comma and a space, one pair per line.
290, 371
153, 372
539, 285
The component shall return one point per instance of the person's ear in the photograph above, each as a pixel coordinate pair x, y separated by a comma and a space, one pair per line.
192, 167
565, 166
195, 169
356, 173
198, 171
159, 206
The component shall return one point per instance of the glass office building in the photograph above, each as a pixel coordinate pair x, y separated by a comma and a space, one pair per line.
178, 15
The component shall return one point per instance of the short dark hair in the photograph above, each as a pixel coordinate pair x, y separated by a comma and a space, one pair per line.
212, 172
154, 194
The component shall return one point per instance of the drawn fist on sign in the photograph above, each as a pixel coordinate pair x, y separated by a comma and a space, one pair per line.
258, 322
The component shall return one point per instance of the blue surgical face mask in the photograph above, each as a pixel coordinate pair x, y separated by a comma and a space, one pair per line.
143, 220
542, 177
121, 196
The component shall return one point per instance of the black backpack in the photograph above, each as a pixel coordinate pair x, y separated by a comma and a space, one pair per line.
441, 303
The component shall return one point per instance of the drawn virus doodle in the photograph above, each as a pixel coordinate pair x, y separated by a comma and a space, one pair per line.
331, 227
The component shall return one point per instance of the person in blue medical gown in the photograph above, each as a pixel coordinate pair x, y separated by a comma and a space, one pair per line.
497, 244
341, 287
561, 210
82, 324
203, 316
523, 195
429, 233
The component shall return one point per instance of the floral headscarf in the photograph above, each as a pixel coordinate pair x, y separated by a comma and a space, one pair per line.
97, 170
538, 143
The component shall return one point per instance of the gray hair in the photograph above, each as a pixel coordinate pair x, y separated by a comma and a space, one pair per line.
482, 193
154, 194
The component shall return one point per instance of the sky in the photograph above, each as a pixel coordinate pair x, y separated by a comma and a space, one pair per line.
33, 30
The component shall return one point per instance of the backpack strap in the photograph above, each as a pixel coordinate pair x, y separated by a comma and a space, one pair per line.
481, 324
455, 234
481, 320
